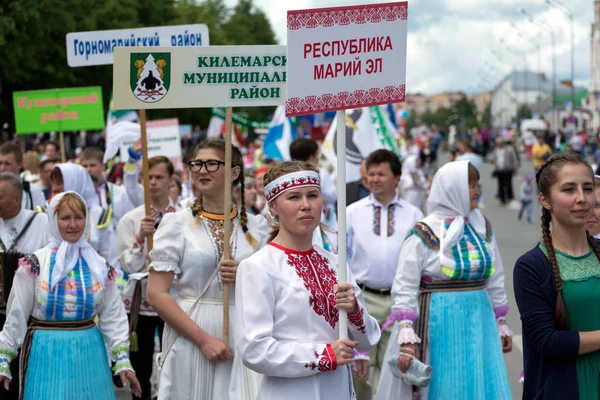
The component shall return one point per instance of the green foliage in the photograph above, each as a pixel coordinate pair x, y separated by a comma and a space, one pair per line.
445, 117
524, 112
33, 41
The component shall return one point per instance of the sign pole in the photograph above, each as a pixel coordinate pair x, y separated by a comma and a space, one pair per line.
341, 206
227, 222
63, 154
146, 178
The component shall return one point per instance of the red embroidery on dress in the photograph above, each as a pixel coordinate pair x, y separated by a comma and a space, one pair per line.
377, 220
357, 321
390, 224
324, 362
319, 279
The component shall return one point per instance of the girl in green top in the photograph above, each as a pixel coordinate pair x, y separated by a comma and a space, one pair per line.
567, 195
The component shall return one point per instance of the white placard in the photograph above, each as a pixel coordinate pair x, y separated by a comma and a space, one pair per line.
213, 76
97, 47
163, 140
346, 57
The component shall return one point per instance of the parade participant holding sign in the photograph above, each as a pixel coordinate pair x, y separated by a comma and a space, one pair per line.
289, 299
377, 226
62, 287
449, 299
22, 232
133, 231
195, 362
112, 199
11, 160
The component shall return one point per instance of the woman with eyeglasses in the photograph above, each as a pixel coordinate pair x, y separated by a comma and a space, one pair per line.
195, 363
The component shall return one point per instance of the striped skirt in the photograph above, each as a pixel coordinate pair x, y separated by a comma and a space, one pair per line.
68, 365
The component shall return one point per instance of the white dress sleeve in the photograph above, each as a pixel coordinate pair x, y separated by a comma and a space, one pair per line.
362, 326
168, 247
260, 351
405, 289
122, 200
18, 311
497, 292
328, 189
113, 324
134, 190
132, 255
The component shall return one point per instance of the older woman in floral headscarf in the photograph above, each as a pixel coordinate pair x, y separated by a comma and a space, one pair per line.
449, 299
57, 292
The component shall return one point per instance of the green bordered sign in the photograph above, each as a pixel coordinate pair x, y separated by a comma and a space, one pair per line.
194, 77
58, 110
150, 75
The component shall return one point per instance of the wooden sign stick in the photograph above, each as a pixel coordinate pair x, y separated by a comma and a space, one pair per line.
63, 152
145, 177
227, 222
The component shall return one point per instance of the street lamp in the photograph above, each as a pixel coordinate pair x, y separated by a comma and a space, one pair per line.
538, 47
563, 8
548, 28
517, 53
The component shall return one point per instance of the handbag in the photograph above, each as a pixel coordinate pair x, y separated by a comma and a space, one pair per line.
418, 374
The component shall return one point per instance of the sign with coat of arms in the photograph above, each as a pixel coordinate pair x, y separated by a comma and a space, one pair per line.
150, 75
194, 77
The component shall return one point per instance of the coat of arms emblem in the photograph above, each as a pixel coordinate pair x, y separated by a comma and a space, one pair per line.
150, 76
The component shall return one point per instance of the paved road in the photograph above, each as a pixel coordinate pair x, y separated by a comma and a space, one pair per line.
514, 239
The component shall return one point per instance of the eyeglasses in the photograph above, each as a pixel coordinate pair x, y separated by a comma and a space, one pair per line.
211, 165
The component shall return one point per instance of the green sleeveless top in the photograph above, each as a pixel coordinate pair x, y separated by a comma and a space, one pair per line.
581, 294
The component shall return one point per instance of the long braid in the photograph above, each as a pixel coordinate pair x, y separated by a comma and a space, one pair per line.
560, 312
244, 217
197, 208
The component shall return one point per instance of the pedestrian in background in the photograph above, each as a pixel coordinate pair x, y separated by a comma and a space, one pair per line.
526, 193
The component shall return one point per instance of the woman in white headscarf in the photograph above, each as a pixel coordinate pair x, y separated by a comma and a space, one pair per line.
57, 292
449, 299
413, 181
73, 177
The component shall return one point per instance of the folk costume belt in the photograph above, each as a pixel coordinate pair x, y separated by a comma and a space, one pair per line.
379, 292
426, 289
36, 324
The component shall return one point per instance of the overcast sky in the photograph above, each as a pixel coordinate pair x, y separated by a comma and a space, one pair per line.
449, 41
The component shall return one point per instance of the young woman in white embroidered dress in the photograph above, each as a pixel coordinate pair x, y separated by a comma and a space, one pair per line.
288, 300
189, 244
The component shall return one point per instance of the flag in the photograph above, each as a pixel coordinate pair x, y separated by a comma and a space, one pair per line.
367, 129
113, 116
282, 133
215, 126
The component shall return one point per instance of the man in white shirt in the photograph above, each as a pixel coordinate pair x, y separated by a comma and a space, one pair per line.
377, 226
112, 199
133, 231
11, 160
22, 232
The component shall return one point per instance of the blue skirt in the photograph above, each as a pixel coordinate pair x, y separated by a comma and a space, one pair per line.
465, 349
68, 365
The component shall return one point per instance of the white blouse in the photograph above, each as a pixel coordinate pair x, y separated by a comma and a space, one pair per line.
287, 321
418, 260
76, 297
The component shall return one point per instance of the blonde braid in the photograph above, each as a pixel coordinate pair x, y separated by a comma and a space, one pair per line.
244, 217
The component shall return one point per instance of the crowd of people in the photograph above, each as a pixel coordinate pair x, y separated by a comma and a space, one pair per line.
100, 289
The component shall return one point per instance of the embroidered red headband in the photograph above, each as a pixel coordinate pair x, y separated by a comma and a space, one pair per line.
291, 181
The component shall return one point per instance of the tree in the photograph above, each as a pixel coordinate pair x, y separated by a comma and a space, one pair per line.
33, 51
524, 112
